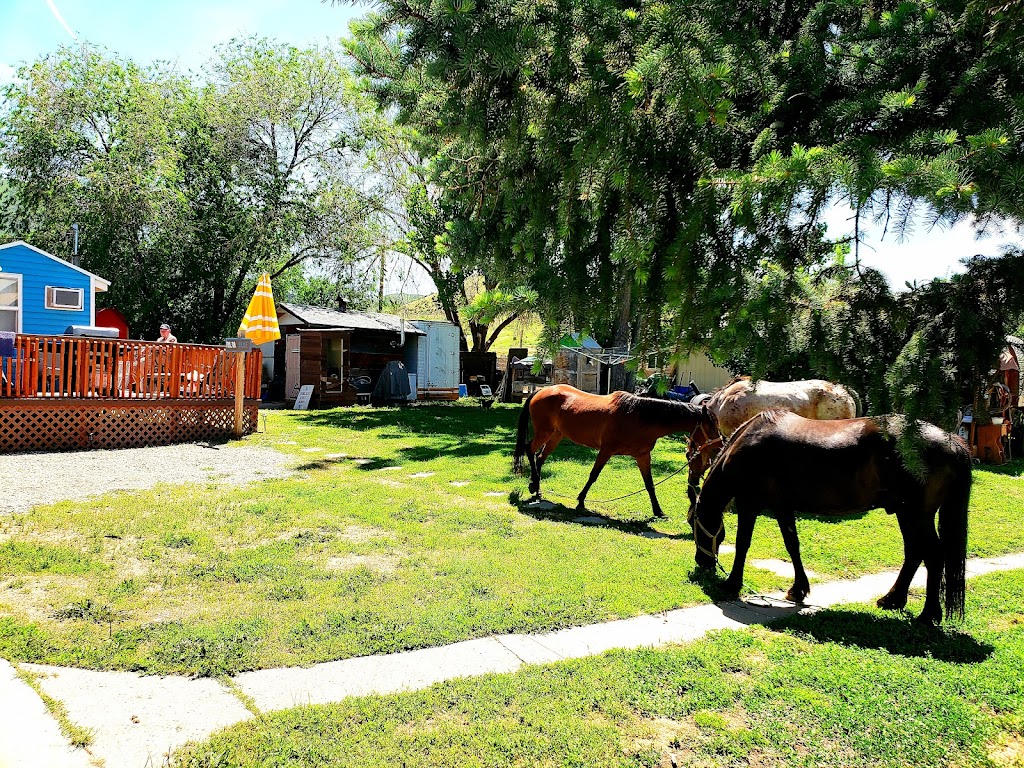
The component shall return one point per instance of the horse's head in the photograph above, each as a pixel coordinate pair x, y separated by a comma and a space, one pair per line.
708, 534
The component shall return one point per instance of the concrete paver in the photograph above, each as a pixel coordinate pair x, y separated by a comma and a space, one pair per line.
28, 735
137, 719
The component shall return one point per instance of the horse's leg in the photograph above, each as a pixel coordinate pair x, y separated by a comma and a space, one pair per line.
801, 586
695, 468
602, 459
644, 464
540, 442
896, 598
931, 549
746, 516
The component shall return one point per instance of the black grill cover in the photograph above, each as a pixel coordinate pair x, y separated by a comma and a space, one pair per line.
393, 385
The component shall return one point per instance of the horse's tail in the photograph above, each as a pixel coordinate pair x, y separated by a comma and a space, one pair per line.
953, 535
521, 438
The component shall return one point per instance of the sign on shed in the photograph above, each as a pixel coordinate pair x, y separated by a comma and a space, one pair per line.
302, 399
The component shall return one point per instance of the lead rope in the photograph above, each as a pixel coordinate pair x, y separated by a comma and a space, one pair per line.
714, 554
619, 498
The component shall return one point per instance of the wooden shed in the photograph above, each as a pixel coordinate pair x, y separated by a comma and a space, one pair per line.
340, 353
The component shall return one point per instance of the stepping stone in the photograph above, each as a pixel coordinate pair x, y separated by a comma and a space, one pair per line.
312, 450
382, 469
336, 456
459, 483
654, 535
727, 549
590, 520
495, 493
362, 462
540, 505
287, 442
423, 474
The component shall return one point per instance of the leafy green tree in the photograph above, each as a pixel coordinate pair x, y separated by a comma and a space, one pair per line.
656, 172
185, 193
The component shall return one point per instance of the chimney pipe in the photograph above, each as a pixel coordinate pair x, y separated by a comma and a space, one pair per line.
74, 249
342, 304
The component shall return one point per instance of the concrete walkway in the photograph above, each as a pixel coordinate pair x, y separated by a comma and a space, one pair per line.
138, 720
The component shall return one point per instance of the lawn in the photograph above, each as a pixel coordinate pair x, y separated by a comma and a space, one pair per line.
403, 529
843, 688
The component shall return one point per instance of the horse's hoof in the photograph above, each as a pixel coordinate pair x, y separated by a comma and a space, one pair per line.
796, 596
659, 514
928, 620
891, 603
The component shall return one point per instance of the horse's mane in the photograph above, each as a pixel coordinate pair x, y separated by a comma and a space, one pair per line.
770, 416
653, 410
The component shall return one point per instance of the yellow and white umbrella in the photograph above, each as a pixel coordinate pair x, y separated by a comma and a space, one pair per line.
260, 321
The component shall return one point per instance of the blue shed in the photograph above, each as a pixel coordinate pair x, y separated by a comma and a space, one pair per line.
43, 294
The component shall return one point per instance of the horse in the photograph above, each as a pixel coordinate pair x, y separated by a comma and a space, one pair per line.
784, 463
742, 398
619, 424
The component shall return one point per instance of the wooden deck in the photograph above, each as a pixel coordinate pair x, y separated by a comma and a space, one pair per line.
63, 392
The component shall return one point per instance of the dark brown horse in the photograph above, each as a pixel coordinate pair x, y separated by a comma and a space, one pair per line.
784, 463
619, 424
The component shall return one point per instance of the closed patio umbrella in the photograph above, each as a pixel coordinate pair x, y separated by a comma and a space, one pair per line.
260, 321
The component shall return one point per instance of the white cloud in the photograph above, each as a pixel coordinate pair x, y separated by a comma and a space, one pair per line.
924, 254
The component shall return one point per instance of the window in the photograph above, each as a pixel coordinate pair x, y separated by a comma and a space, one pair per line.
64, 298
10, 303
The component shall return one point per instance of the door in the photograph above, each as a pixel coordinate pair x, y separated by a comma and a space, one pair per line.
292, 361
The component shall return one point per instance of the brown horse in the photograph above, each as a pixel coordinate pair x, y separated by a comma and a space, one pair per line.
784, 463
619, 424
743, 398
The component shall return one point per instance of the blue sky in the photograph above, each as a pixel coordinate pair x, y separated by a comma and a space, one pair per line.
186, 32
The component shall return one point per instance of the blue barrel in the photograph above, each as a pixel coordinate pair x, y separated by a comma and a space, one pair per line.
463, 390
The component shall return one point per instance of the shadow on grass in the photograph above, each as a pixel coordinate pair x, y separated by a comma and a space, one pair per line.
1013, 468
897, 634
561, 513
425, 419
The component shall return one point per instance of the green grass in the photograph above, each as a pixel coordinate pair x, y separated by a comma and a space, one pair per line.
846, 687
351, 558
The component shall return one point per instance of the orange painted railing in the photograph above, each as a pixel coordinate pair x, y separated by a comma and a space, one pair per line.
81, 368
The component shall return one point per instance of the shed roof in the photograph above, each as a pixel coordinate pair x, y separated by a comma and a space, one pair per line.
322, 317
99, 284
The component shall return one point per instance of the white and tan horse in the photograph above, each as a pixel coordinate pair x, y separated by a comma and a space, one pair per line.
742, 399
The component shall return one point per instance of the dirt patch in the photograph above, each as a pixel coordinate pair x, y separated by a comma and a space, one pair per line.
48, 478
379, 563
1008, 751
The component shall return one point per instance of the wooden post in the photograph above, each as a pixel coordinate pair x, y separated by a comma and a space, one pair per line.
239, 392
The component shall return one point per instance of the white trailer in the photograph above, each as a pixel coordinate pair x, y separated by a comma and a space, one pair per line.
437, 360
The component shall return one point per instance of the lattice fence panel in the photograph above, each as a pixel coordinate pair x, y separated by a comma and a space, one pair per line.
63, 426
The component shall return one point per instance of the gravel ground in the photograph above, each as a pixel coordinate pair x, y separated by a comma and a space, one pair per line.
44, 478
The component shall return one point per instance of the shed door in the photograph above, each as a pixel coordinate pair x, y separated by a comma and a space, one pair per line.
292, 361
442, 356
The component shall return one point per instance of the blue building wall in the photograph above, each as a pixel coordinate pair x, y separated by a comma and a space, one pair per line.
37, 272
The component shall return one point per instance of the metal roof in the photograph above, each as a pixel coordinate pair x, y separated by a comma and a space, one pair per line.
322, 317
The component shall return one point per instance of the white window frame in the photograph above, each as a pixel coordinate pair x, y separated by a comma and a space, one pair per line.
17, 309
51, 291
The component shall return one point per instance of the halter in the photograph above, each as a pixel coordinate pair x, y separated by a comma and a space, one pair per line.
707, 441
713, 554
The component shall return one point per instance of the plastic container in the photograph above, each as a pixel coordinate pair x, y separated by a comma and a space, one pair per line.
463, 390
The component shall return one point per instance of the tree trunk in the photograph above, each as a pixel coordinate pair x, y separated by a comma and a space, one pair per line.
622, 378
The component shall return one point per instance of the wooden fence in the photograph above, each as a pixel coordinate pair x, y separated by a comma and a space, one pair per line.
63, 392
80, 368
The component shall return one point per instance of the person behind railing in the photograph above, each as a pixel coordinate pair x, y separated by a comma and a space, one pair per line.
165, 333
